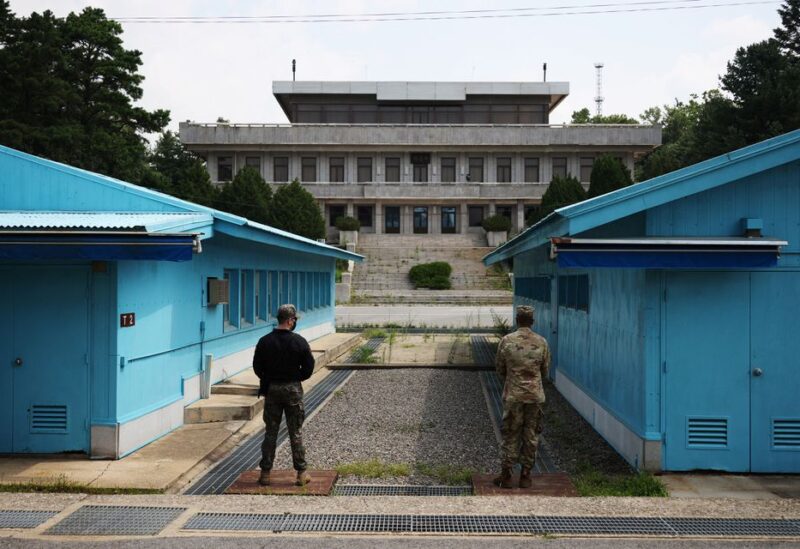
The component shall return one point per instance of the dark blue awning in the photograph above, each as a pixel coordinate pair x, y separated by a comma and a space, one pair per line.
662, 253
96, 246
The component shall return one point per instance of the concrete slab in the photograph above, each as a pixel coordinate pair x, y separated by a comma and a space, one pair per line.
739, 487
156, 466
425, 349
547, 484
223, 407
282, 483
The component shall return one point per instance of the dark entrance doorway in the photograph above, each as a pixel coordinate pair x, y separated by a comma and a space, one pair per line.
392, 219
420, 220
448, 220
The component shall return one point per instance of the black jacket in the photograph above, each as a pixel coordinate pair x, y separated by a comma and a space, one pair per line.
282, 356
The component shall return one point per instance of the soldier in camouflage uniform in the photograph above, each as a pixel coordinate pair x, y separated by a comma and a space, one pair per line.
281, 361
522, 362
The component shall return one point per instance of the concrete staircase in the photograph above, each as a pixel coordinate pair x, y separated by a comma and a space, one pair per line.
383, 277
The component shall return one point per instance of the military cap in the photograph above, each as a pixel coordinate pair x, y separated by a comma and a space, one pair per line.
525, 312
286, 311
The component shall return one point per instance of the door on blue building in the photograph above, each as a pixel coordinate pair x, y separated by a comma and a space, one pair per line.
731, 372
44, 378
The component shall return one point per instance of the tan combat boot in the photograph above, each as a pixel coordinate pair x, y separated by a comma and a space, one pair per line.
504, 479
303, 478
525, 478
263, 480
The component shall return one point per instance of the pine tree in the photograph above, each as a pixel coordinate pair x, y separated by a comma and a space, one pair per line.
608, 174
248, 195
295, 210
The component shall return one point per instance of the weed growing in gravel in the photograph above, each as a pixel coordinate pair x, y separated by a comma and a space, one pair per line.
416, 427
374, 332
62, 484
364, 355
500, 325
373, 468
591, 482
447, 474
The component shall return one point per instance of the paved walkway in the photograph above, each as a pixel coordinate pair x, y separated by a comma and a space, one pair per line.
422, 316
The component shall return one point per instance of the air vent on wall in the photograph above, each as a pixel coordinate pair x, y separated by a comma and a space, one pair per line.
48, 418
786, 434
707, 432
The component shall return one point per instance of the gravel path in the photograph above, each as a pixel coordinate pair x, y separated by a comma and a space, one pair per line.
414, 417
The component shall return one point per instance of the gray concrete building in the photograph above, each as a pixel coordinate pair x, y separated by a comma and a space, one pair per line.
417, 157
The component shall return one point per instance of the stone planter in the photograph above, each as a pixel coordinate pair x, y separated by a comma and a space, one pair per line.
496, 238
348, 237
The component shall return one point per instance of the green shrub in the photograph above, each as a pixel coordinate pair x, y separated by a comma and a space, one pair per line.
434, 275
498, 223
347, 223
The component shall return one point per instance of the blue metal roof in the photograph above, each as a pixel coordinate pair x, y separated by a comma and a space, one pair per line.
255, 231
151, 222
580, 217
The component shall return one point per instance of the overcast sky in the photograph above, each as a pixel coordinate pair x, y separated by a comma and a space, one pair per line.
202, 71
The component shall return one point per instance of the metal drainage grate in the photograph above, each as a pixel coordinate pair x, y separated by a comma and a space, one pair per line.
482, 350
385, 490
97, 520
234, 522
605, 525
495, 524
732, 527
373, 343
25, 519
248, 455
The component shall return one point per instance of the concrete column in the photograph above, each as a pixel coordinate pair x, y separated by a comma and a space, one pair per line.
350, 209
378, 218
406, 220
434, 219
520, 216
492, 208
464, 218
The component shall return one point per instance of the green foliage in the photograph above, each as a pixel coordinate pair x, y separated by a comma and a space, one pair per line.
69, 89
434, 275
583, 116
373, 468
347, 223
497, 222
61, 484
173, 169
592, 483
374, 332
247, 195
447, 474
788, 35
561, 192
294, 209
500, 325
364, 355
608, 174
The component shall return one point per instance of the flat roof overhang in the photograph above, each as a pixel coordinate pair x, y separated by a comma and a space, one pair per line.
97, 245
666, 253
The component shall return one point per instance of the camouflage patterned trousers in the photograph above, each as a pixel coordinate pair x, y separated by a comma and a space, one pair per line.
284, 398
522, 423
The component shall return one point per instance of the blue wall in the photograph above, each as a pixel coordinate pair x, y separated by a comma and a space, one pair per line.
167, 343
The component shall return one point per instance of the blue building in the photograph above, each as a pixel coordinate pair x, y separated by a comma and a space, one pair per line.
671, 307
112, 294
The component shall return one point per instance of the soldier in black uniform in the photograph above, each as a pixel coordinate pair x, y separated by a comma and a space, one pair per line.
282, 360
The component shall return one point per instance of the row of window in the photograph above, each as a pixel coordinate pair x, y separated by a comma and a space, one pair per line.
573, 290
420, 168
449, 216
310, 113
255, 295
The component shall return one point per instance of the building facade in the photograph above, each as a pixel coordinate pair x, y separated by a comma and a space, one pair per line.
417, 157
109, 311
670, 307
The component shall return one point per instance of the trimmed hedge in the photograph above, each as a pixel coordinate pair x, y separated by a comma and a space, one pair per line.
497, 223
347, 223
435, 276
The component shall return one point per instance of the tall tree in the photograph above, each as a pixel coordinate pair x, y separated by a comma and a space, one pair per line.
176, 170
788, 35
561, 192
69, 89
608, 174
247, 195
294, 209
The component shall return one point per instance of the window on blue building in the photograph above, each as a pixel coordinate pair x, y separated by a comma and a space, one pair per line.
262, 290
573, 292
246, 309
230, 311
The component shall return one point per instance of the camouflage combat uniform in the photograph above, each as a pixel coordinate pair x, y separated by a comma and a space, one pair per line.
280, 398
523, 361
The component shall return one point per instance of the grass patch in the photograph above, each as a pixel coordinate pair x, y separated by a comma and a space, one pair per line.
591, 482
62, 485
447, 474
374, 332
373, 468
364, 355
